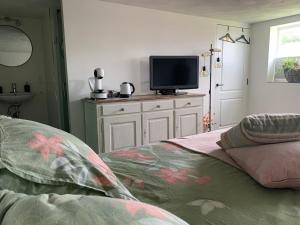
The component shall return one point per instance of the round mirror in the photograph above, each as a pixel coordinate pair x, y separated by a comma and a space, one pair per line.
15, 46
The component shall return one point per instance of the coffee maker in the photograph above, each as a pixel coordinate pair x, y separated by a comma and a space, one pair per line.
96, 84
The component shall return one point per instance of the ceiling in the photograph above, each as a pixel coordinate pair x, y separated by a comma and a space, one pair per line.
27, 8
248, 11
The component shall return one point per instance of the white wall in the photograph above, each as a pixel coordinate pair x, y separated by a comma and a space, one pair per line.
265, 96
33, 71
120, 39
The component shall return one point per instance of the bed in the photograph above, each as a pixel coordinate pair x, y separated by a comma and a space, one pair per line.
201, 189
50, 177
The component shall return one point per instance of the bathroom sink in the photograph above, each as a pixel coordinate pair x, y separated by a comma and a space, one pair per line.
15, 98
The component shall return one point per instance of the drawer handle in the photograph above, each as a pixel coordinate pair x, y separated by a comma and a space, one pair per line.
158, 106
188, 103
122, 109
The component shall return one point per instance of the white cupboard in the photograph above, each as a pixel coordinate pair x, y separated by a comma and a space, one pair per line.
113, 124
158, 126
188, 122
121, 132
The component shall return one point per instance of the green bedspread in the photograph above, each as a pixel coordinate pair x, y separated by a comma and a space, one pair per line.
201, 190
49, 177
53, 209
40, 167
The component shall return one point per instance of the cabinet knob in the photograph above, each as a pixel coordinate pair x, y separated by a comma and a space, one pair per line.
188, 103
122, 109
158, 106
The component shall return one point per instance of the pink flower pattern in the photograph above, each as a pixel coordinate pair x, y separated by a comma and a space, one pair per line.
170, 147
127, 181
46, 145
138, 183
132, 154
133, 207
172, 176
103, 181
203, 180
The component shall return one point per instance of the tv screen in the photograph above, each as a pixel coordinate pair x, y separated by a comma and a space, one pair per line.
174, 72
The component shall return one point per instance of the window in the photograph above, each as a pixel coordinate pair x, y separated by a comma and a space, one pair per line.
284, 53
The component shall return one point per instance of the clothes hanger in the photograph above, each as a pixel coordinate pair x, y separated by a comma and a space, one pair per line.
227, 37
243, 39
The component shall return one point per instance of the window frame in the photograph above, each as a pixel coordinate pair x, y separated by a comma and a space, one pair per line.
274, 44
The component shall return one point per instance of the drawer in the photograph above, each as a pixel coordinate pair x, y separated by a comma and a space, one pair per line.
117, 109
157, 105
188, 102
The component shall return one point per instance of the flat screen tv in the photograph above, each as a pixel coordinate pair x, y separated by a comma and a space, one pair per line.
174, 72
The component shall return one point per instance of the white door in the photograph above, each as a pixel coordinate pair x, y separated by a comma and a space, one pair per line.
158, 126
230, 85
122, 132
188, 122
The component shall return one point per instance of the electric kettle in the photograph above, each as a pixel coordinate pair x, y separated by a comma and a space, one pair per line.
126, 89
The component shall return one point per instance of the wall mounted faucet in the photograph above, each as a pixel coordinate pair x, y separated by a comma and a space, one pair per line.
14, 88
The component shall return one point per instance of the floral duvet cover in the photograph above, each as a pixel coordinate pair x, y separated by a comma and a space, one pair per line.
53, 209
200, 189
49, 177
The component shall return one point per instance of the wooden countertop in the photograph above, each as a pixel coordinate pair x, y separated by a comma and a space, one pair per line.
135, 98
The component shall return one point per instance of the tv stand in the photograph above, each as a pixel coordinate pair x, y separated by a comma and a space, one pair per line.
171, 92
180, 93
145, 119
167, 92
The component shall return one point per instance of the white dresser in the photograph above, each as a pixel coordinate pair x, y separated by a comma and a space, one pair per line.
116, 123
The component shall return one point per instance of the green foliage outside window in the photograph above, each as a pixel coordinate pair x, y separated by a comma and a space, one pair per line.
288, 39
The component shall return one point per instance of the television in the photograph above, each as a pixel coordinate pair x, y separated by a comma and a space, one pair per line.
169, 73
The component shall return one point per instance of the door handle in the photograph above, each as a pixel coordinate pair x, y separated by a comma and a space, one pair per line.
219, 85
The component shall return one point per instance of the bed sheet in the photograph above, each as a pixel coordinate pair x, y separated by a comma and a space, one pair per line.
200, 189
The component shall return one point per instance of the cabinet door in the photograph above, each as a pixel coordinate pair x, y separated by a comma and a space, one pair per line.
158, 126
188, 122
122, 132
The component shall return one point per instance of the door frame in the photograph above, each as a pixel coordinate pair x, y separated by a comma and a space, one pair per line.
217, 78
60, 57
